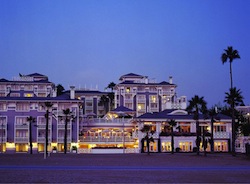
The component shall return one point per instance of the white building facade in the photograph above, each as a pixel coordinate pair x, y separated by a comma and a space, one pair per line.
143, 95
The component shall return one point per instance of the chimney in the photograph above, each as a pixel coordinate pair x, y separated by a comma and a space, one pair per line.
170, 80
146, 80
54, 94
72, 92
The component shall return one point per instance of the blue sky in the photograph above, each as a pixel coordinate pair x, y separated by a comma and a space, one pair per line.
94, 42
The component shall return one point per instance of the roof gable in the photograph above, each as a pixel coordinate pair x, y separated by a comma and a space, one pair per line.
133, 75
122, 109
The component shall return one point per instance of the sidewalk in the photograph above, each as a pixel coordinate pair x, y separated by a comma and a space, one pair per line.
124, 168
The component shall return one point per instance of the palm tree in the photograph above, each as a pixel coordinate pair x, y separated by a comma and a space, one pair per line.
105, 102
111, 86
196, 106
60, 90
212, 114
147, 129
233, 98
48, 106
111, 97
31, 120
229, 55
67, 116
172, 123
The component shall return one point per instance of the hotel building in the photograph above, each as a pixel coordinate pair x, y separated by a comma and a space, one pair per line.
25, 96
138, 102
143, 95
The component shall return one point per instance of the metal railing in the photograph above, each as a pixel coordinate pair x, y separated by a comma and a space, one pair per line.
21, 139
106, 139
225, 135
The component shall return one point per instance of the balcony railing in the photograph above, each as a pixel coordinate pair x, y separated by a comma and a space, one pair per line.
25, 126
62, 126
106, 139
105, 121
61, 139
224, 135
42, 139
141, 100
21, 139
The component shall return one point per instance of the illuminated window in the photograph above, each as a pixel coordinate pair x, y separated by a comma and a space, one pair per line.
185, 146
127, 90
220, 128
28, 95
153, 99
141, 106
166, 146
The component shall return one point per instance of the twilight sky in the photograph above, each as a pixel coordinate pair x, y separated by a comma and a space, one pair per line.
94, 42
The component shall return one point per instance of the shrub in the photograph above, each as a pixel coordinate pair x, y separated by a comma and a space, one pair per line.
177, 149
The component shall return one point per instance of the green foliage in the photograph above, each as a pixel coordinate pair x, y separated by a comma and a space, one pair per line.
104, 101
59, 90
148, 137
234, 97
245, 129
196, 106
111, 86
229, 55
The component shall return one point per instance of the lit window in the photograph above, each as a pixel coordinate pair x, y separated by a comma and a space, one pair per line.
153, 99
28, 95
128, 90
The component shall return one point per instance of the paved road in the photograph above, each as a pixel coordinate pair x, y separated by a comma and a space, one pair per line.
127, 168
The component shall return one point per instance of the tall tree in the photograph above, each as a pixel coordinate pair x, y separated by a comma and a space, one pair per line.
111, 97
148, 137
196, 106
67, 117
59, 90
31, 120
48, 106
230, 55
233, 98
104, 100
212, 115
172, 123
111, 86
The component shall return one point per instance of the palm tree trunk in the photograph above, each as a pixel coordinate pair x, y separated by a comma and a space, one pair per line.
233, 131
65, 135
148, 143
212, 135
204, 141
233, 118
231, 75
172, 140
197, 137
47, 133
30, 137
